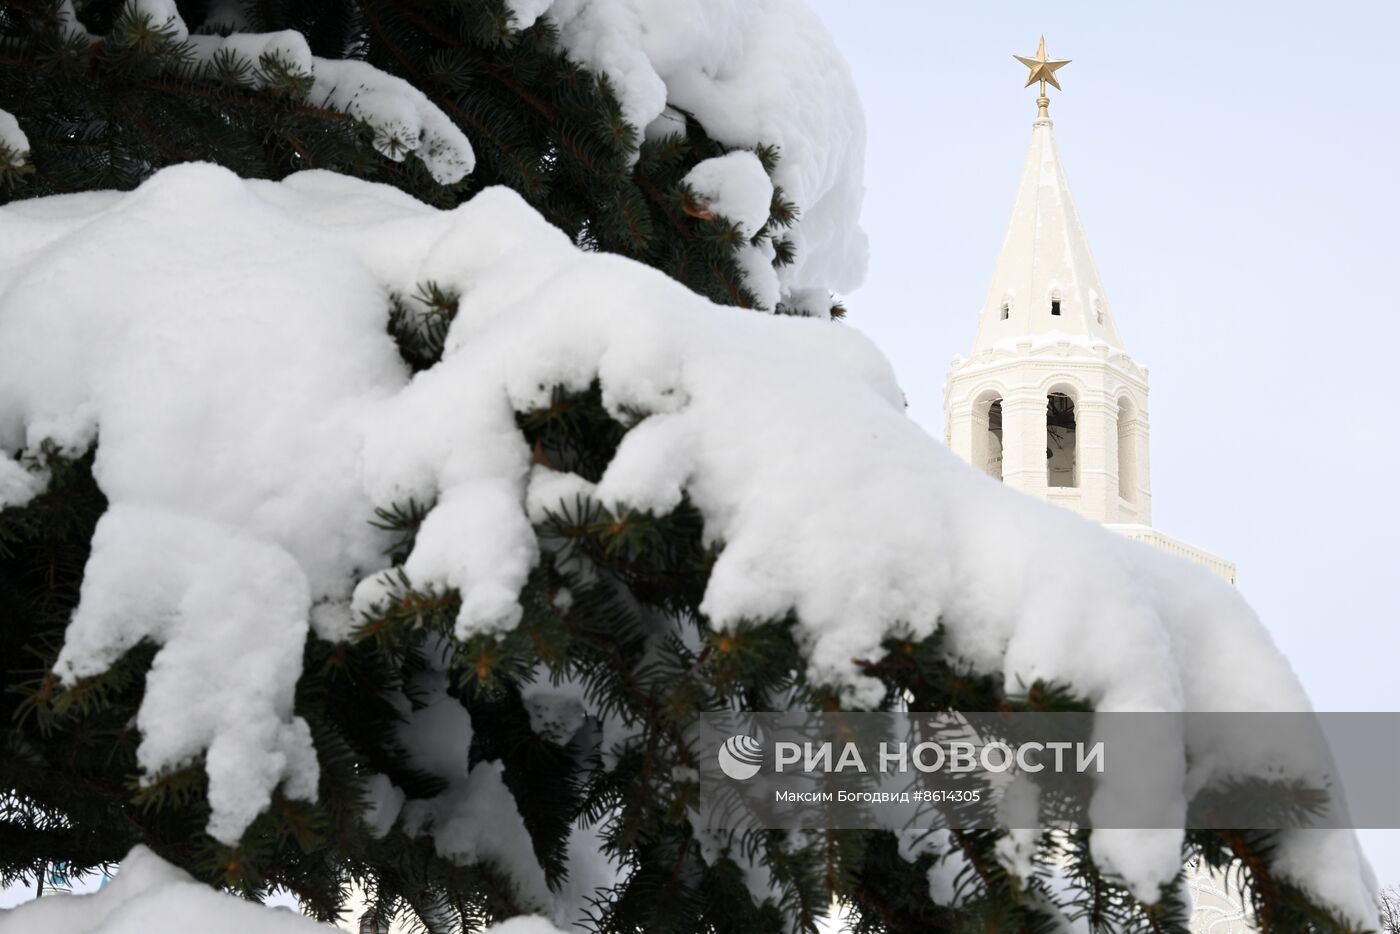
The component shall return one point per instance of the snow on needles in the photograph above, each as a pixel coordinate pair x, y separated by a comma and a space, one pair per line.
150, 896
751, 72
14, 145
403, 119
249, 411
736, 186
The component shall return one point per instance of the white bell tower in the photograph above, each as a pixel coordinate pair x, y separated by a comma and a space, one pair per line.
1049, 401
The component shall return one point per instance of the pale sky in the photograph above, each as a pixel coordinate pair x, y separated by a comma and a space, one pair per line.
1237, 169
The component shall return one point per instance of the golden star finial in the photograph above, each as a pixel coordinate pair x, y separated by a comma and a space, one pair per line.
1043, 70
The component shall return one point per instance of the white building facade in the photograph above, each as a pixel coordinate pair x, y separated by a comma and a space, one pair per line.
1049, 401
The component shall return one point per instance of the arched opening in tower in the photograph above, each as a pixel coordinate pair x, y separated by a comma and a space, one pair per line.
1061, 444
990, 449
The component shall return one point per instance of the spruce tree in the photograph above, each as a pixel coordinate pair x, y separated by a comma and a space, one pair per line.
105, 111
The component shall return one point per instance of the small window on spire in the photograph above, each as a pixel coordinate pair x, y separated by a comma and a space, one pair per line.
1005, 310
1055, 307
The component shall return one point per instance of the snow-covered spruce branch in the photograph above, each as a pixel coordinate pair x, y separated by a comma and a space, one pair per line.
403, 120
229, 566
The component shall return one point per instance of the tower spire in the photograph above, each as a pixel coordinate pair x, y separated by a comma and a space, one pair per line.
1046, 285
1043, 70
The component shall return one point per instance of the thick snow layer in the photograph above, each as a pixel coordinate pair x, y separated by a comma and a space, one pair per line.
751, 72
150, 896
250, 411
13, 139
210, 594
230, 468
